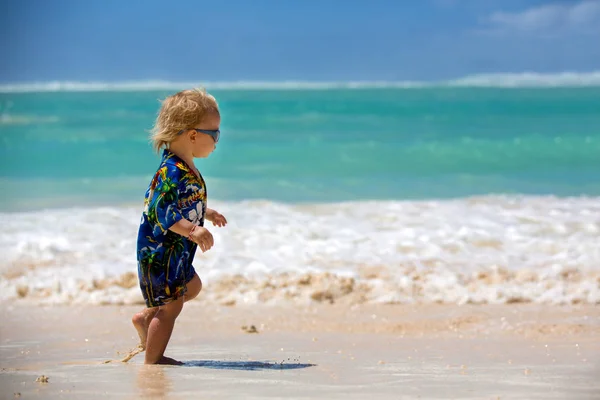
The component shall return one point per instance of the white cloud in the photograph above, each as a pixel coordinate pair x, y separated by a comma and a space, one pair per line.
551, 19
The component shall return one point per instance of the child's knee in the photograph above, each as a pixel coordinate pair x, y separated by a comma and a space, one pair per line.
193, 288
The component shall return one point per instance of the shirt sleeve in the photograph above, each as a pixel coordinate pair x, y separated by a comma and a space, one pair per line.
163, 209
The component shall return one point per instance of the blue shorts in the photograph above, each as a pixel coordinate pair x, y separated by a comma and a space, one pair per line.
161, 285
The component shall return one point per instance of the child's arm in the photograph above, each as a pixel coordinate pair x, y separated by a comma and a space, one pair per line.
215, 217
198, 234
182, 227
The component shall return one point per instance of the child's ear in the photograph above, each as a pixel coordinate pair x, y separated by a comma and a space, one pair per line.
193, 136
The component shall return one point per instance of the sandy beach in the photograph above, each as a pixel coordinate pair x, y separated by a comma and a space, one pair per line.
403, 199
327, 351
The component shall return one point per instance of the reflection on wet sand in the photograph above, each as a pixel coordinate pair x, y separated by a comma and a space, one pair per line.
153, 382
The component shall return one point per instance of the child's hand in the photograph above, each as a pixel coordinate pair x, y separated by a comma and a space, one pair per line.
202, 237
216, 218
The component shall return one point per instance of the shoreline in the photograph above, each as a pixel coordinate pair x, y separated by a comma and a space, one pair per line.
403, 284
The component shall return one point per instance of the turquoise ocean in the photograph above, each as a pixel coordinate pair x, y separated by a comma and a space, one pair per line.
465, 181
64, 149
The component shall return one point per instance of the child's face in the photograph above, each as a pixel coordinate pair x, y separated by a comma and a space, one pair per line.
203, 144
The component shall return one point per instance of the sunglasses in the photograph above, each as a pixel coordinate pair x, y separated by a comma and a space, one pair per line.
216, 134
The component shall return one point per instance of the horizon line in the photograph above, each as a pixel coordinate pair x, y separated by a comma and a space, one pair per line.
493, 80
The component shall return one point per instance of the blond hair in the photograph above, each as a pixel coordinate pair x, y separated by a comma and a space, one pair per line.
180, 111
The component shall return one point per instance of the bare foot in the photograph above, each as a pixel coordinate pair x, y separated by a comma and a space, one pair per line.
141, 322
168, 361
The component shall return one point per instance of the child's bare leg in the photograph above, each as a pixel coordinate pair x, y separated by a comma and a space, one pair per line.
141, 322
159, 332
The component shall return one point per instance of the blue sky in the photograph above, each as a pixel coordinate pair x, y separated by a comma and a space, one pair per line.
311, 40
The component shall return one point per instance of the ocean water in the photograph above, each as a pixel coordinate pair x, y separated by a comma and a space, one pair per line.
406, 193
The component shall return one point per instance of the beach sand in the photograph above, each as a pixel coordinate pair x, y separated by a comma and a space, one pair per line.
328, 351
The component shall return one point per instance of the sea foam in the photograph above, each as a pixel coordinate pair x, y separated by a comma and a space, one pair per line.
475, 250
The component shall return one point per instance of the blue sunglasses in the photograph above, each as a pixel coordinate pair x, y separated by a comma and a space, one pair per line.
216, 134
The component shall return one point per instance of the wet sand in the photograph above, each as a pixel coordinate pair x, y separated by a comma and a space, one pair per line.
518, 351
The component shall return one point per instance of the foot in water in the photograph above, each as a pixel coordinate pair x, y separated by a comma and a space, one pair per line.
141, 322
